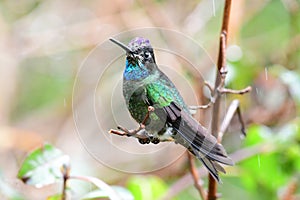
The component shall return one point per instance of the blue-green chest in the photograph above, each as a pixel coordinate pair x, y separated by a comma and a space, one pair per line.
135, 71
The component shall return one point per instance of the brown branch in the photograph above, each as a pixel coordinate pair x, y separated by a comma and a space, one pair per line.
211, 102
290, 190
201, 106
195, 176
134, 132
220, 76
231, 91
65, 170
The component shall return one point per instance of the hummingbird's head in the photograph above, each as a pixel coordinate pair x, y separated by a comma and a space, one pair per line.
142, 50
140, 61
138, 50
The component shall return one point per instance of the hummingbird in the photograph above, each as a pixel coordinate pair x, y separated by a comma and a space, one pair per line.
149, 92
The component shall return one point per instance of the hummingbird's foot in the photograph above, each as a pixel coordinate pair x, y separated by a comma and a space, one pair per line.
149, 139
155, 140
140, 133
144, 140
150, 109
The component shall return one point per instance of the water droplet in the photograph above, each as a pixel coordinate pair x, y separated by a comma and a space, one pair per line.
266, 73
214, 8
234, 53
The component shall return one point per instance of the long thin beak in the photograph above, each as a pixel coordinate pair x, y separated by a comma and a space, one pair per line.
123, 46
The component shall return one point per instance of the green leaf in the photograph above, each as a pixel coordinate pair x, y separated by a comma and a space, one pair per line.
256, 134
146, 187
106, 190
123, 193
272, 21
264, 174
96, 194
55, 197
43, 166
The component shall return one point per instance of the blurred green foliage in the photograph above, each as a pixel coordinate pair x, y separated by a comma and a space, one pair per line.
146, 187
44, 82
269, 42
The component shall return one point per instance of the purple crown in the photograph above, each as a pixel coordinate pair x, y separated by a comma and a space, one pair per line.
138, 43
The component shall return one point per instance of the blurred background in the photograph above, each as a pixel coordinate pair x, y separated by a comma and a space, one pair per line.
44, 43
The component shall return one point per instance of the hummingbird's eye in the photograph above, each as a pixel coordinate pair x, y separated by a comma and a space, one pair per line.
147, 54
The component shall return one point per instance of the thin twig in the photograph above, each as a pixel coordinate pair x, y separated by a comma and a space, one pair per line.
212, 185
222, 56
211, 89
211, 102
66, 175
222, 90
290, 190
195, 176
201, 106
238, 111
242, 91
134, 132
232, 109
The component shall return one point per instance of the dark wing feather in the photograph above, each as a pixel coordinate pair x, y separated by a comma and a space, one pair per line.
196, 138
173, 111
200, 139
190, 133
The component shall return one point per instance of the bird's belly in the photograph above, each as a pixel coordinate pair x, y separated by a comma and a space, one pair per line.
139, 109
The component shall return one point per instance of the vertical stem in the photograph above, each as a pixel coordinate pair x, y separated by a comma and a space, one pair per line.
212, 185
63, 196
66, 174
195, 176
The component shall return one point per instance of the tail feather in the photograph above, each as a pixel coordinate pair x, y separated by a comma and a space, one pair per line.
210, 165
196, 138
202, 144
219, 167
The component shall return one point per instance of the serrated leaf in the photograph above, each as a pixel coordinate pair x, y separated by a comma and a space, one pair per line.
43, 166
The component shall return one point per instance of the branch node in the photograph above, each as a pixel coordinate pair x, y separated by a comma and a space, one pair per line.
139, 133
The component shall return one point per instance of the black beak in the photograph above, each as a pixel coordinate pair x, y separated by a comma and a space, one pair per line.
123, 46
